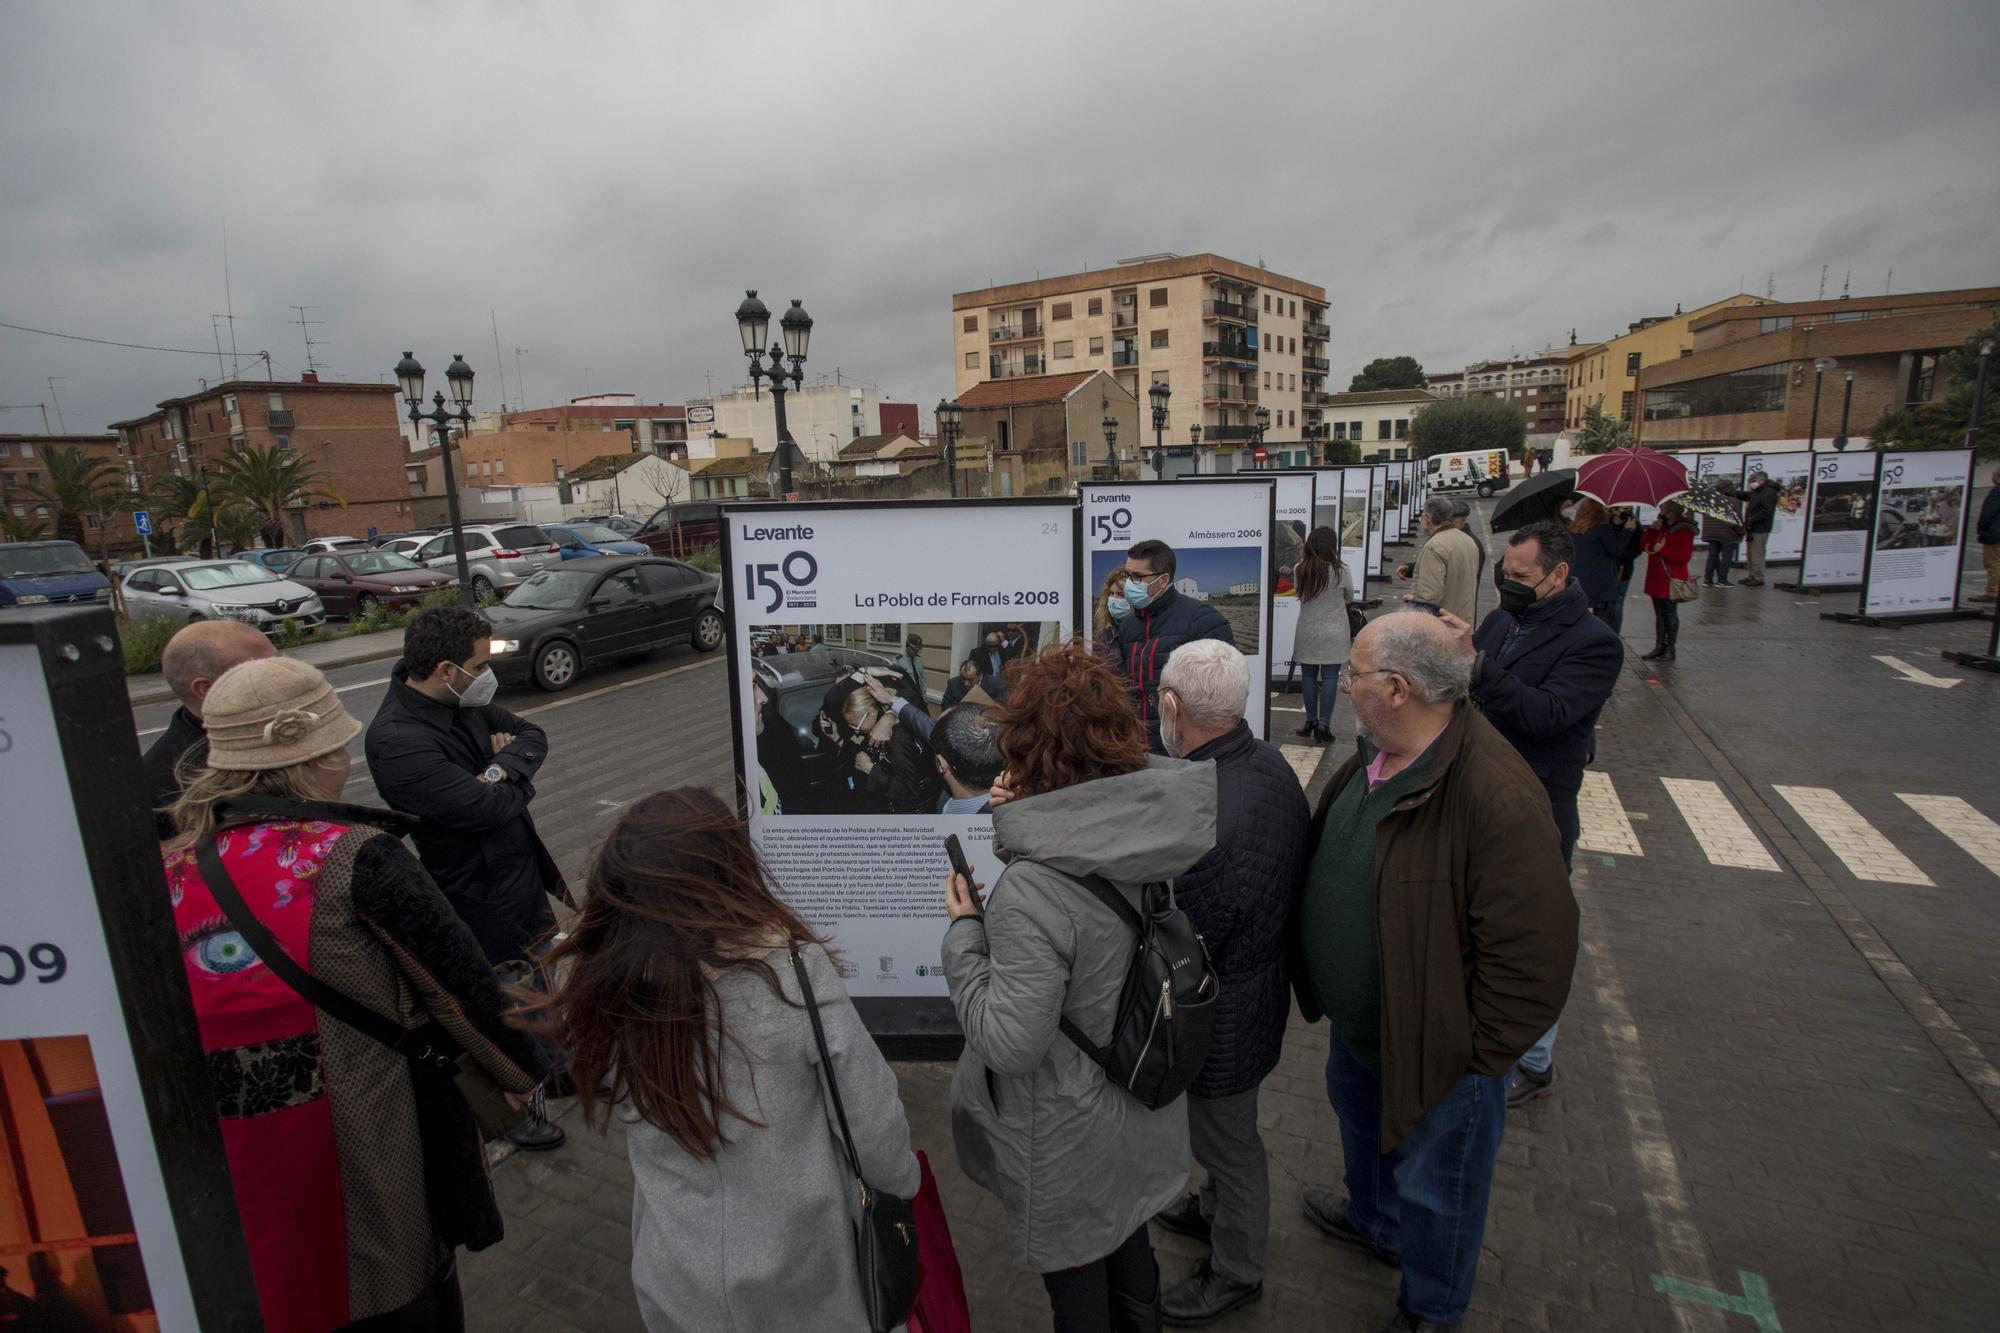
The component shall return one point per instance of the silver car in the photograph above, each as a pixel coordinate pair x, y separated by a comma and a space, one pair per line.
498, 556
221, 590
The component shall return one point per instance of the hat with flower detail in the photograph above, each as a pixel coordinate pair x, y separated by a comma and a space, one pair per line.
272, 714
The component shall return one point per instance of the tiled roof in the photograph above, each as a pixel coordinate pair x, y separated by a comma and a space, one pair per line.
1025, 389
1366, 396
743, 465
867, 446
604, 466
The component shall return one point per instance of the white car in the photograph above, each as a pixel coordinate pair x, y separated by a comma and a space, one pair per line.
221, 590
321, 545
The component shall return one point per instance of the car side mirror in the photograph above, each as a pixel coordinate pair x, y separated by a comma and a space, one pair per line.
172, 592
598, 602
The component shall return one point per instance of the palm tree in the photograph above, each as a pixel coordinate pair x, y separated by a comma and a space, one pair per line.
82, 486
182, 512
1601, 432
14, 528
269, 481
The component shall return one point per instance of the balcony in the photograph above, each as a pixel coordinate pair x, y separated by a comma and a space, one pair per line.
1315, 363
1000, 370
1228, 393
1225, 434
1126, 358
1125, 317
1314, 398
1242, 314
1319, 331
1233, 350
1003, 333
279, 418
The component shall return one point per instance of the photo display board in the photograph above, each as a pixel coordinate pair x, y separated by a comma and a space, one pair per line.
1221, 534
1378, 488
1790, 472
847, 808
1292, 515
1339, 503
1918, 535
1840, 503
1393, 503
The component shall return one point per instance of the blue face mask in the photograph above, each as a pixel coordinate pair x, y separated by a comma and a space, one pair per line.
1118, 607
1136, 594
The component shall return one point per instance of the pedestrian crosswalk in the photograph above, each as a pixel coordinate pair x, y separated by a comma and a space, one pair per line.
1726, 838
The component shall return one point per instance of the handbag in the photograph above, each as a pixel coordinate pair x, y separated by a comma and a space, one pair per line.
941, 1306
1683, 590
886, 1241
436, 1062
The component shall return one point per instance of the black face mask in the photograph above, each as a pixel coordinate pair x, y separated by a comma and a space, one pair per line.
1516, 597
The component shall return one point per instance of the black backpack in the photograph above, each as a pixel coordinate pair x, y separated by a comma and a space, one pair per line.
1166, 1009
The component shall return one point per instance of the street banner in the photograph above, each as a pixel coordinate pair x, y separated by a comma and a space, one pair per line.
114, 1188
853, 628
1790, 472
1378, 486
1840, 501
1220, 530
1917, 539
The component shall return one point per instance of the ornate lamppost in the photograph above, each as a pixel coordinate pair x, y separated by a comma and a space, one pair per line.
948, 424
753, 322
1111, 444
1263, 424
410, 377
1159, 393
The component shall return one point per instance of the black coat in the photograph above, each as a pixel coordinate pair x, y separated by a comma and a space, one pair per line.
1148, 637
184, 735
1600, 551
1543, 687
1989, 519
1760, 508
475, 838
1241, 897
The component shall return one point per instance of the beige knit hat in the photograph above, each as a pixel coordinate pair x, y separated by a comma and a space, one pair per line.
273, 713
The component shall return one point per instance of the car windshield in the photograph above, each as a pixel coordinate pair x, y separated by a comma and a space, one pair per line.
519, 537
380, 562
30, 562
594, 533
551, 590
279, 557
206, 578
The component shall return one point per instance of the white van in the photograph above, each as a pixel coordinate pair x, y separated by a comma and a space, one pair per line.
1484, 471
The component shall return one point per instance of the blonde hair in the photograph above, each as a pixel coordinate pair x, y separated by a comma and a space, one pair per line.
203, 788
1103, 621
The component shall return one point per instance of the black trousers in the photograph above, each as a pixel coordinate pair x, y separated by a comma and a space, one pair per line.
1093, 1297
1666, 620
439, 1308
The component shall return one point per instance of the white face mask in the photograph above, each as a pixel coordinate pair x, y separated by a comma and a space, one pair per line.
1170, 736
480, 692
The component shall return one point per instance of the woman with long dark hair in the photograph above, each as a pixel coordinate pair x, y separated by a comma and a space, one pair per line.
1669, 545
1602, 546
678, 1006
1323, 638
1078, 1163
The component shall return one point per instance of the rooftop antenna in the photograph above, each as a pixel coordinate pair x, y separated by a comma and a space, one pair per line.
229, 303
24, 407
215, 327
1822, 281
520, 385
1771, 285
305, 327
1846, 283
494, 315
60, 428
1889, 282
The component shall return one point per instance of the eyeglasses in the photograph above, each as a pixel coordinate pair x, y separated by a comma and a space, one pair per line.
1348, 674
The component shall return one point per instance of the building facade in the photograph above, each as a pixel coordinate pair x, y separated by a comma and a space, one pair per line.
1607, 373
24, 466
1041, 434
1750, 374
1533, 383
649, 428
823, 419
1377, 420
1225, 338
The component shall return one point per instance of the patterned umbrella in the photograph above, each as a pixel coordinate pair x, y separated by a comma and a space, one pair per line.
1704, 499
1634, 476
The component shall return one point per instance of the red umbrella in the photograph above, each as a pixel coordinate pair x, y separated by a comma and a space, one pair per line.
1634, 476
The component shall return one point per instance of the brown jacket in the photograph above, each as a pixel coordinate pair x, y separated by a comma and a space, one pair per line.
1474, 920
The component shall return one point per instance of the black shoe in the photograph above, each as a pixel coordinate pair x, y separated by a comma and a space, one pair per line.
1328, 1211
1659, 651
1323, 735
1306, 730
1203, 1297
537, 1134
1405, 1322
1184, 1215
1525, 1085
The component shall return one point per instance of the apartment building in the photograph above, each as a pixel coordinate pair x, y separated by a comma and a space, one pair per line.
1750, 371
1534, 383
1225, 337
24, 467
1607, 373
1377, 420
528, 447
350, 432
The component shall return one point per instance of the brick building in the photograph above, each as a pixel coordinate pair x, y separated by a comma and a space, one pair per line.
350, 432
1533, 383
24, 465
1041, 434
1749, 373
902, 417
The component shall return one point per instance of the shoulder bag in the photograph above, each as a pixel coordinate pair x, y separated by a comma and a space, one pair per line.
437, 1065
1683, 590
886, 1241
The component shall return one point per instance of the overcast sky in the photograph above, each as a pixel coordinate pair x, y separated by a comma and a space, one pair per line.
1463, 179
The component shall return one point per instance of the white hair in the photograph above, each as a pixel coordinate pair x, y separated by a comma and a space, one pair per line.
1212, 681
1416, 646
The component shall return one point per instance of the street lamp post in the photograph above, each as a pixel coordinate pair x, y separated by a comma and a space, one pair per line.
1194, 448
948, 427
1978, 396
753, 322
1846, 405
410, 376
1111, 444
1821, 364
1159, 394
1263, 424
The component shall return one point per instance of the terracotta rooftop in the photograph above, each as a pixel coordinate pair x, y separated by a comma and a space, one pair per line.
867, 446
604, 466
1026, 389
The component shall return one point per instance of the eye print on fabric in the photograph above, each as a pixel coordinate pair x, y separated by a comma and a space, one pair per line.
215, 948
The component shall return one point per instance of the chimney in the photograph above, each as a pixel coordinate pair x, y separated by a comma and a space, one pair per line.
310, 377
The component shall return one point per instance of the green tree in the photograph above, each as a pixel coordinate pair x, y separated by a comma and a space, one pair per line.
15, 528
1942, 422
1462, 425
1343, 451
180, 514
1601, 432
269, 482
83, 486
1388, 372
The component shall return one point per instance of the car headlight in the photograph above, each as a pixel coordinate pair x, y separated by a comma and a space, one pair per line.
228, 608
105, 593
312, 604
498, 646
406, 587
30, 599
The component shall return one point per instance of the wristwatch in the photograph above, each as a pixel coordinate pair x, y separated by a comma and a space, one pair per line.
493, 773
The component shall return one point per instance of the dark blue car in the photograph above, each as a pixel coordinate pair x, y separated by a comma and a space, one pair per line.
578, 540
49, 574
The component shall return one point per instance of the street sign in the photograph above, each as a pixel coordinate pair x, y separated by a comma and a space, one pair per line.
373, 532
143, 521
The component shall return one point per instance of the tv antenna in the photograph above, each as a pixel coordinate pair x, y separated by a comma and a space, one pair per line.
305, 327
53, 381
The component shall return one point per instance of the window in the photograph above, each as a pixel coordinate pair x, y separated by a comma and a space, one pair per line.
972, 323
1382, 429
6, 450
1157, 297
1773, 323
1064, 351
1625, 405
1096, 306
284, 441
276, 402
34, 479
1005, 443
1267, 379
1295, 310
229, 403
666, 577
1353, 430
1631, 363
501, 467
1097, 347
1756, 389
1402, 428
972, 360
1923, 377
1847, 316
1295, 381
1294, 418
1078, 454
1340, 430
1060, 310
92, 522
27, 450
1687, 351
1159, 338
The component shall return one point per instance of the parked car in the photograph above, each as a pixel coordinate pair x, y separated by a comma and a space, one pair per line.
277, 561
332, 544
349, 582
577, 540
562, 620
679, 529
123, 567
381, 539
221, 590
405, 545
497, 557
51, 573
622, 524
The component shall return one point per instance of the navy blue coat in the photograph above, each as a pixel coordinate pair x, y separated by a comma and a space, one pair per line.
1148, 637
1599, 553
1545, 678
1241, 897
1989, 519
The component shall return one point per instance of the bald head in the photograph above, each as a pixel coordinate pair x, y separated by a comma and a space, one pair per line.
1420, 648
198, 655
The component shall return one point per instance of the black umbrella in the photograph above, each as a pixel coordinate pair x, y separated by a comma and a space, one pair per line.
1537, 498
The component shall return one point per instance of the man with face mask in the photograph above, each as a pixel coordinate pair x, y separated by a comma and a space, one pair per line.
440, 749
1543, 667
1160, 620
1760, 512
1446, 573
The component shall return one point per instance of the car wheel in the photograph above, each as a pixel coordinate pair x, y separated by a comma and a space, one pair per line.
708, 630
196, 618
481, 586
364, 604
1485, 489
557, 665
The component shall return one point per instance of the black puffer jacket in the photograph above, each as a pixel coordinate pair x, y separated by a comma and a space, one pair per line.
1148, 637
1760, 508
1241, 897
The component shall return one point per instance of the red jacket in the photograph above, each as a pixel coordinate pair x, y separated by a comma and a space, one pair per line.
1667, 556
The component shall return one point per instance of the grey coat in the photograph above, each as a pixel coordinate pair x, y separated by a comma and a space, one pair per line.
1322, 638
761, 1235
1079, 1164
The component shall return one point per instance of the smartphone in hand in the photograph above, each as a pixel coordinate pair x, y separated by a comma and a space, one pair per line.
961, 867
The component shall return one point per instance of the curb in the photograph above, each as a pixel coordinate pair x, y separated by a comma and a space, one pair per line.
152, 687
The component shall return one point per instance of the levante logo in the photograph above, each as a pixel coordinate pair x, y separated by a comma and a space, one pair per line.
1114, 526
797, 570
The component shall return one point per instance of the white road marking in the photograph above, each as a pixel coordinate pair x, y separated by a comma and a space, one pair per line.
342, 689
1957, 820
1725, 838
1605, 826
1917, 677
1304, 760
1864, 851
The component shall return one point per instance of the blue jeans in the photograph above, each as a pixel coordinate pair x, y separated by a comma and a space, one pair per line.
1426, 1199
1543, 1053
1721, 555
1321, 687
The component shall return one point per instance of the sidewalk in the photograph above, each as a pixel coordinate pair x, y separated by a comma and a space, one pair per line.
152, 687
